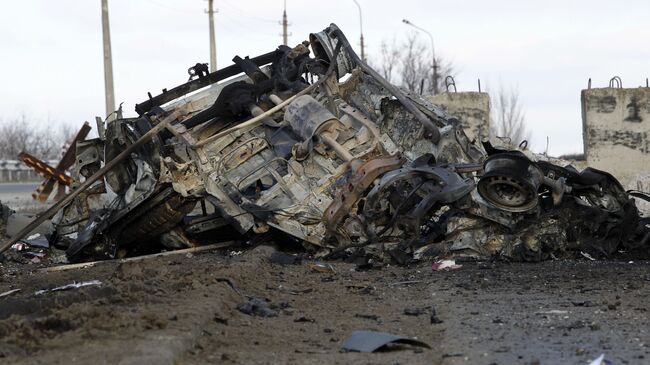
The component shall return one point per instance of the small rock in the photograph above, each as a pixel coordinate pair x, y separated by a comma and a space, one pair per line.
585, 303
304, 319
257, 307
373, 317
414, 311
219, 319
434, 318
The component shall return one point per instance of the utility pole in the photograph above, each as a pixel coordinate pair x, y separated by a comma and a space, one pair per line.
285, 26
213, 47
433, 55
109, 92
363, 53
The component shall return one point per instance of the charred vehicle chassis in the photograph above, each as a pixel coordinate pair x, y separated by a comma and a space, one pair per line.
312, 142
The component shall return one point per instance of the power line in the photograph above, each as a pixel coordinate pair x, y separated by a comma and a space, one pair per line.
171, 9
246, 13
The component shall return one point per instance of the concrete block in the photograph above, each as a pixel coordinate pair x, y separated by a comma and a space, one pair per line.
472, 109
616, 130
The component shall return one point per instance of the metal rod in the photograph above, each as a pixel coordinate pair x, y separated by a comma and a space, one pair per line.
255, 120
188, 87
275, 99
91, 180
344, 154
84, 265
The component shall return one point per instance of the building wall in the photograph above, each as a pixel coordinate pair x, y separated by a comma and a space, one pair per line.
471, 108
616, 131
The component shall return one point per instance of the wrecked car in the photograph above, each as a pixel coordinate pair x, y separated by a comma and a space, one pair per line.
312, 143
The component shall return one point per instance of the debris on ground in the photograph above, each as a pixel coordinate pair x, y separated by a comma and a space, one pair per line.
434, 316
9, 292
37, 240
371, 341
445, 264
321, 268
257, 307
415, 311
600, 360
587, 256
73, 285
282, 258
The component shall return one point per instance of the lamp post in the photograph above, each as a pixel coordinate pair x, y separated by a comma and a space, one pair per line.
363, 53
434, 64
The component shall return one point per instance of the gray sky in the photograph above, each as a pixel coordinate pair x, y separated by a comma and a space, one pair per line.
51, 66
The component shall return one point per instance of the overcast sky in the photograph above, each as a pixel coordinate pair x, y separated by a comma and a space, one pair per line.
51, 62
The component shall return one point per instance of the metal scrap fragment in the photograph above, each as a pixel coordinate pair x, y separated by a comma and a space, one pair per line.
371, 341
9, 292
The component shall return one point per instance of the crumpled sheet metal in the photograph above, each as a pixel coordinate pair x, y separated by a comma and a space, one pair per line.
478, 238
371, 341
343, 167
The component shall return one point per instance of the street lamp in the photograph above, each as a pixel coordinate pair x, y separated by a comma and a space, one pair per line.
363, 54
433, 54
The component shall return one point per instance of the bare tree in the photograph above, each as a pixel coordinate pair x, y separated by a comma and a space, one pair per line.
22, 134
508, 119
390, 57
409, 65
16, 135
415, 71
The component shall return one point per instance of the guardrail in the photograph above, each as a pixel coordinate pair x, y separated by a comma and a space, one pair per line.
16, 171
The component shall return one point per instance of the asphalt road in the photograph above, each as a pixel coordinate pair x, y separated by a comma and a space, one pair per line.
182, 309
16, 191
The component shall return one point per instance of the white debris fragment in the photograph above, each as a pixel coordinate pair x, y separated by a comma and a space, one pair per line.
553, 311
74, 285
445, 264
587, 256
600, 360
7, 293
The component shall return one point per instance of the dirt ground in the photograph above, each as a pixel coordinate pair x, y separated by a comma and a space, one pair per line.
182, 309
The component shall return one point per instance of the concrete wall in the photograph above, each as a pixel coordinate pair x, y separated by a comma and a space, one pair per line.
471, 108
616, 131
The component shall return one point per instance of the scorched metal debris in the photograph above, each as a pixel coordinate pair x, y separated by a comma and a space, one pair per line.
312, 142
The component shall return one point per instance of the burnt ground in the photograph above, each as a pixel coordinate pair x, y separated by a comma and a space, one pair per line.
182, 309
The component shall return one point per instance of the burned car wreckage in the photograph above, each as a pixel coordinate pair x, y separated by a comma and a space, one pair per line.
316, 145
